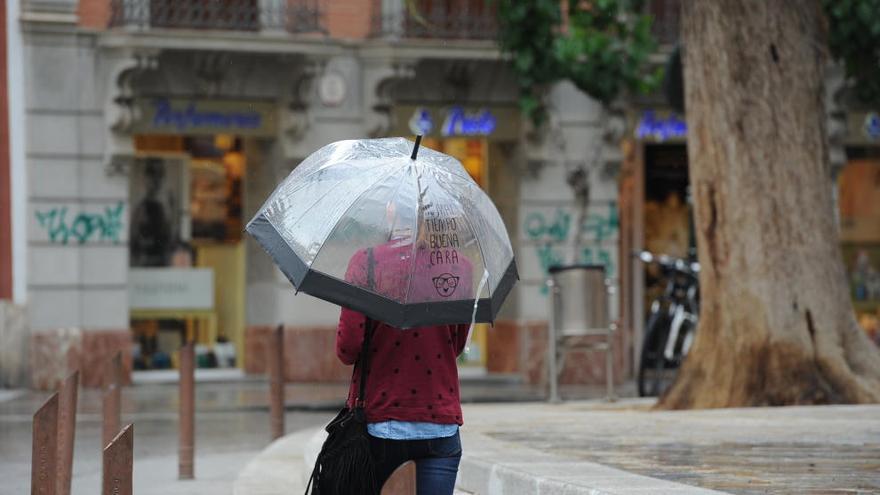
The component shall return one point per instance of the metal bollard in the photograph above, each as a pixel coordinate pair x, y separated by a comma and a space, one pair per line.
275, 351
186, 447
112, 399
402, 481
44, 453
118, 460
66, 431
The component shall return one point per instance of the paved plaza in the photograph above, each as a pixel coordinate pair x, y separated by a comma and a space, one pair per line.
803, 450
512, 447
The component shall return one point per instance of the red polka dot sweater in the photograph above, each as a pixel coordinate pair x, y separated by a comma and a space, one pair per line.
413, 374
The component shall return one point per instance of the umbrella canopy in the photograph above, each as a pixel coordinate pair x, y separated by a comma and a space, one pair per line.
407, 241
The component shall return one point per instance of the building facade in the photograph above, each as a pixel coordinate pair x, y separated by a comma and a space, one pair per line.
143, 134
13, 203
152, 131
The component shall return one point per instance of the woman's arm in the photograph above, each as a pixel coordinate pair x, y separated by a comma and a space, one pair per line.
350, 331
349, 335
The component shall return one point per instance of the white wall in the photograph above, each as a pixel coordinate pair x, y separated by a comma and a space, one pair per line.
547, 212
77, 214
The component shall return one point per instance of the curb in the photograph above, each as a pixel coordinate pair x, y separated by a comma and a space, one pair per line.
488, 467
494, 467
278, 469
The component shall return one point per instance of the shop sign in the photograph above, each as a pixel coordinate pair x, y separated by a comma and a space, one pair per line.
863, 128
458, 121
171, 288
871, 126
162, 115
660, 129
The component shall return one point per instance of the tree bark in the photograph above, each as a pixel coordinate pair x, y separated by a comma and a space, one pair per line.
776, 324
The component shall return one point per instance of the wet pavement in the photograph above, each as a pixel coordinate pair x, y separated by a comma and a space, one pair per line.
232, 426
804, 450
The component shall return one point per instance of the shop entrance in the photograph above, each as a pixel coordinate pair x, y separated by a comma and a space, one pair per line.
667, 211
187, 261
859, 214
473, 153
655, 216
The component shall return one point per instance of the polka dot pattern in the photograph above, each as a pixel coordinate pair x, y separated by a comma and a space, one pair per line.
407, 384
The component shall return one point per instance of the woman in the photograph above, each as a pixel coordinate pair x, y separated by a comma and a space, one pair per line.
412, 401
412, 396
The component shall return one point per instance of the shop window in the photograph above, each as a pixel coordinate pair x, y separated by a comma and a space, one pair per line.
185, 239
159, 192
217, 171
472, 153
859, 209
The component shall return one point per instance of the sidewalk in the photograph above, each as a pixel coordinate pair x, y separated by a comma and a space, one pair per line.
599, 448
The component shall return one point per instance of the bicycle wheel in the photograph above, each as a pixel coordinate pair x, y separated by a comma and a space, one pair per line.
652, 364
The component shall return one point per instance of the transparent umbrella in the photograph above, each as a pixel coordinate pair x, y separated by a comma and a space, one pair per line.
403, 235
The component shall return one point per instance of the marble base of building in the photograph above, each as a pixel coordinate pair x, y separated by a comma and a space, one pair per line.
13, 345
309, 354
513, 347
57, 353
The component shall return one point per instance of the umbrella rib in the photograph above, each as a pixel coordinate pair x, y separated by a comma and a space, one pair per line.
482, 254
413, 254
358, 198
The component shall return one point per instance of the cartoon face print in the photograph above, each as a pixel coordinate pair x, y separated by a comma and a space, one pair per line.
445, 284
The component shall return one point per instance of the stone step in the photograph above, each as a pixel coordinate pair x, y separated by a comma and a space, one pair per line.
488, 467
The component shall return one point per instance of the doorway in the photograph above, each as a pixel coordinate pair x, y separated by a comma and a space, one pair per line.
187, 257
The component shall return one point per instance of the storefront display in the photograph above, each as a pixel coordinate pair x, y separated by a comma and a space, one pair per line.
186, 194
859, 203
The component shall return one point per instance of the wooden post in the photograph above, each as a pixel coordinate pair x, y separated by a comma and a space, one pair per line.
275, 351
44, 451
112, 398
402, 481
66, 431
187, 411
118, 461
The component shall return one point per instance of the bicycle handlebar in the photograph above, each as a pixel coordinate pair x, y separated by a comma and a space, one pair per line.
668, 262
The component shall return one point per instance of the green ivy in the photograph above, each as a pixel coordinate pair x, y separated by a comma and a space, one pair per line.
604, 50
854, 38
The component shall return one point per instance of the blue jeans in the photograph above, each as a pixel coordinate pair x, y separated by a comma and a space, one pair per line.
436, 459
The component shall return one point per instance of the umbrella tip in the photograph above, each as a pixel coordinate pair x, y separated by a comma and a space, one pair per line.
416, 147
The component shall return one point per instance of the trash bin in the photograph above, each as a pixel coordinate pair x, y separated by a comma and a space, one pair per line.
582, 299
578, 307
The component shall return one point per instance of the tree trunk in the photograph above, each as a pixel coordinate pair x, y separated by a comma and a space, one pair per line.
776, 324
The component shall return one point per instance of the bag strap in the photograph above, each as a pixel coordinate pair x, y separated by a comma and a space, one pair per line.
369, 325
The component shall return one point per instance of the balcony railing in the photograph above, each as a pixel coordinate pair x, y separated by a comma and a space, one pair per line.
666, 15
295, 16
435, 19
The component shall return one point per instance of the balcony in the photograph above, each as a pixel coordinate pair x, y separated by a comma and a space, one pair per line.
293, 16
435, 19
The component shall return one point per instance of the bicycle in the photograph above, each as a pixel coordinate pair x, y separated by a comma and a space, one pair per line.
671, 325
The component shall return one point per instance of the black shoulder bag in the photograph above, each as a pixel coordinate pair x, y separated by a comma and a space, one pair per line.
345, 465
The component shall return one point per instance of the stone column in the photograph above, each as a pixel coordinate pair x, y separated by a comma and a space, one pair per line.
77, 211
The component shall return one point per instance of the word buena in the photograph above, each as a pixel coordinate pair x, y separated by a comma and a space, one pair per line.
442, 234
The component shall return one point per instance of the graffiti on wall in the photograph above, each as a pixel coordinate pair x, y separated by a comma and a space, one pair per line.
105, 226
551, 234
